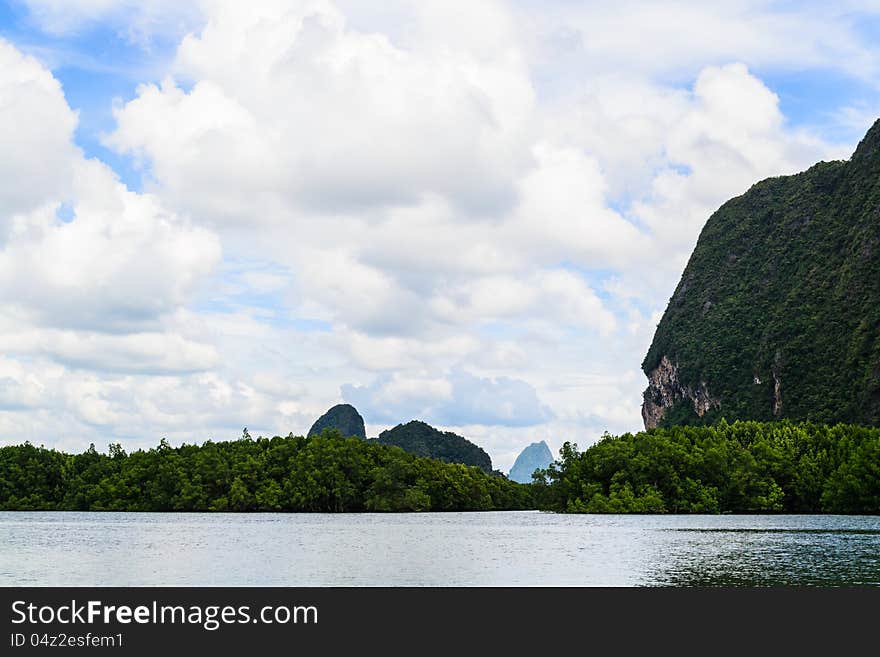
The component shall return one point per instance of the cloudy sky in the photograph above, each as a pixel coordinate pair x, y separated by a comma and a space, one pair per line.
221, 214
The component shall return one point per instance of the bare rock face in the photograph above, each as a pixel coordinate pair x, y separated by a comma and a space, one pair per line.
777, 386
665, 390
536, 456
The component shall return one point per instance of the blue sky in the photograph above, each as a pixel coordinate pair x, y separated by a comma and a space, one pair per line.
470, 214
97, 65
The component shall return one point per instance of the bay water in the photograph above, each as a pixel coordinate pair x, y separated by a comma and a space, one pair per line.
527, 548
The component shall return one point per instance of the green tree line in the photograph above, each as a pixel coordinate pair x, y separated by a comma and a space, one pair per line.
324, 473
744, 467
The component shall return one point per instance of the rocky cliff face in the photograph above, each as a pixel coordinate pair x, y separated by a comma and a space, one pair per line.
665, 391
777, 314
534, 457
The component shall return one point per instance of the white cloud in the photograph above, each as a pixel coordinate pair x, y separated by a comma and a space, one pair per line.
673, 155
678, 38
319, 137
36, 135
549, 295
19, 388
564, 213
290, 105
482, 207
732, 136
93, 276
121, 262
457, 399
377, 353
139, 21
151, 353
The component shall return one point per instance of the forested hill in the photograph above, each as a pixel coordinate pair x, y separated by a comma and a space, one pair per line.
342, 417
422, 439
777, 314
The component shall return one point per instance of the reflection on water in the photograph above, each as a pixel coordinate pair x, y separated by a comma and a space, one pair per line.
438, 549
776, 556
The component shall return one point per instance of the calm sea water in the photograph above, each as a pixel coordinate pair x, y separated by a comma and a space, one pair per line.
443, 549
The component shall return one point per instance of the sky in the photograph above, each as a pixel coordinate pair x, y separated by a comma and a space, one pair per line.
217, 215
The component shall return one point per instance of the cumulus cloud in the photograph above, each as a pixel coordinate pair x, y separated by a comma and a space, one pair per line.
548, 295
150, 353
19, 388
678, 38
672, 155
36, 134
475, 212
115, 261
408, 277
289, 104
360, 152
119, 262
91, 274
456, 400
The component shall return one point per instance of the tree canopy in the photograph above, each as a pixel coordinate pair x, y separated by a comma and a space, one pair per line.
744, 467
323, 473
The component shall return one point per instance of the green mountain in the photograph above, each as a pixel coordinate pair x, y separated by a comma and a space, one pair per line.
342, 417
777, 314
422, 439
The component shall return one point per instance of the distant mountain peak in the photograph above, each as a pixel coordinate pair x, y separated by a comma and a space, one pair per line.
422, 439
536, 456
869, 146
344, 418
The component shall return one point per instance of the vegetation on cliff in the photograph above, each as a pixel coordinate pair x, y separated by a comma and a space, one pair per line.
322, 473
744, 467
342, 417
777, 314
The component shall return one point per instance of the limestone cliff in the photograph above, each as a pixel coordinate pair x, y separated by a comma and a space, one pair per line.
665, 391
777, 314
342, 417
536, 456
